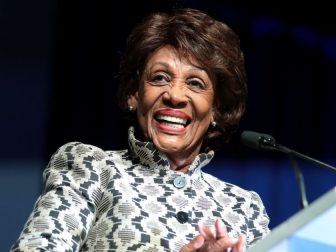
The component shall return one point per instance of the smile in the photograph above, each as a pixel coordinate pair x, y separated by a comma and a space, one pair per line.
172, 119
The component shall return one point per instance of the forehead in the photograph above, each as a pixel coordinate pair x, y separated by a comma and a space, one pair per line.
169, 53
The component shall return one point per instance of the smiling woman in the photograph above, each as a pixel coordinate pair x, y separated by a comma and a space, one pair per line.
174, 105
182, 81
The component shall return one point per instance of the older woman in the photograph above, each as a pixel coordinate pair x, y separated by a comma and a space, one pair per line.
183, 82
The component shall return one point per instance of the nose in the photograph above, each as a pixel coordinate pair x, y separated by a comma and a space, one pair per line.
176, 96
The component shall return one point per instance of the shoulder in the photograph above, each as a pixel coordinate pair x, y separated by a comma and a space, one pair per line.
231, 189
78, 149
82, 156
217, 183
76, 160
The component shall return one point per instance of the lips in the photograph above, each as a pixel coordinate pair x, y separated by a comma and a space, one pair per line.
172, 119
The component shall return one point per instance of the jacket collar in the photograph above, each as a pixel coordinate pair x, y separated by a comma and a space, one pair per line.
149, 156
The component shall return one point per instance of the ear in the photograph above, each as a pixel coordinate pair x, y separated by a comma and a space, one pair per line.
132, 100
212, 118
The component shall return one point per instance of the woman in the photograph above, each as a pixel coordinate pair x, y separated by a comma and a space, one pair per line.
183, 81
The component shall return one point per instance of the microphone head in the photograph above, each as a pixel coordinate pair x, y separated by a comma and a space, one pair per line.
257, 140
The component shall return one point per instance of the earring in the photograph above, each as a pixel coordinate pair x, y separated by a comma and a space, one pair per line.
214, 124
130, 109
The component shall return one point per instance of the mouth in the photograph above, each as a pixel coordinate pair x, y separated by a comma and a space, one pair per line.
172, 120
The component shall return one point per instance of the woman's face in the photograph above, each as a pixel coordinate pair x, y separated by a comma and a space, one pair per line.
174, 103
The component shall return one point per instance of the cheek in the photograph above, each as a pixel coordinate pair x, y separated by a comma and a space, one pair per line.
147, 100
151, 94
204, 107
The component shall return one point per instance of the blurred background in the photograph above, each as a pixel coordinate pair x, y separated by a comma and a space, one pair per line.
58, 67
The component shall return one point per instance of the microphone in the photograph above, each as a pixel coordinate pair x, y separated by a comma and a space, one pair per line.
262, 141
257, 140
266, 142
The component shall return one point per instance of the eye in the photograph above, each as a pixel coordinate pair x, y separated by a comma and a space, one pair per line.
159, 79
196, 84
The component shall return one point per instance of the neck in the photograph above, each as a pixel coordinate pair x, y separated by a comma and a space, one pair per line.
181, 163
181, 167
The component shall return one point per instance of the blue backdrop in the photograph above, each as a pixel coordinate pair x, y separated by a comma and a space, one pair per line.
58, 63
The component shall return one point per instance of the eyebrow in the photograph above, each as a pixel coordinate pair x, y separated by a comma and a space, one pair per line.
167, 66
197, 67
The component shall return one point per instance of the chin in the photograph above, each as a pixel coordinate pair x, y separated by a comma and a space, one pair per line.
168, 147
172, 142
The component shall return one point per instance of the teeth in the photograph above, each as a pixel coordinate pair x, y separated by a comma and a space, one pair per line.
172, 119
172, 125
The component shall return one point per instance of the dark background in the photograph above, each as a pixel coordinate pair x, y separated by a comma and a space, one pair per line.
58, 67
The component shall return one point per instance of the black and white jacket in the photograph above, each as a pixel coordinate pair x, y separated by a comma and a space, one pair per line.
130, 200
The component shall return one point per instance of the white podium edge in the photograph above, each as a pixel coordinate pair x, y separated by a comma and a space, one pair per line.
294, 223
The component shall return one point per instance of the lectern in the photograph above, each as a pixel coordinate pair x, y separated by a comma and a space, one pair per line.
310, 230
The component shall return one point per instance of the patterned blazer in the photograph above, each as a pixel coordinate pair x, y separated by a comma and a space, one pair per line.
130, 200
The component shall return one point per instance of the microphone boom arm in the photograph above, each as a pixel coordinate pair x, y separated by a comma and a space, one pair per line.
291, 152
268, 142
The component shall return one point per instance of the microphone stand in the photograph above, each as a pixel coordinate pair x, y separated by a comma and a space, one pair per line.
268, 142
300, 182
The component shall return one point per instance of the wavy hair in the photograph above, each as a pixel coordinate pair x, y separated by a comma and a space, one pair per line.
212, 43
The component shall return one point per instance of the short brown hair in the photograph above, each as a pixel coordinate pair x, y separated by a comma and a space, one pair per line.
212, 43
